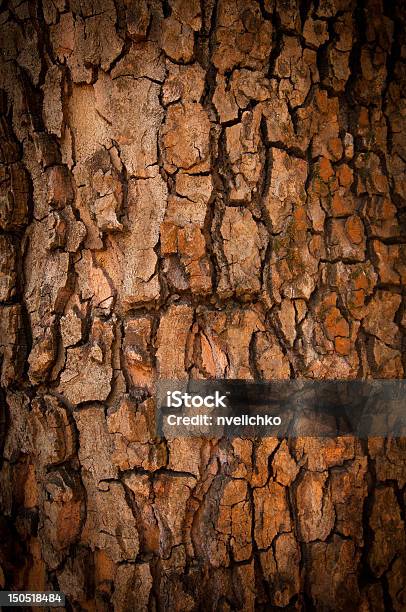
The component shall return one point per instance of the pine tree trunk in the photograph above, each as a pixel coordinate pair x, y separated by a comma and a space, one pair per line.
207, 189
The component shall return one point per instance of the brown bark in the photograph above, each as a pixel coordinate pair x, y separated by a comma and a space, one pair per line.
198, 189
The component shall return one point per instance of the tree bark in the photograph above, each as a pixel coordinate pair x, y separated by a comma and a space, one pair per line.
207, 189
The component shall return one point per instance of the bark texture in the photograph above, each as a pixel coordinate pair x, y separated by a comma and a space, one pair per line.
198, 189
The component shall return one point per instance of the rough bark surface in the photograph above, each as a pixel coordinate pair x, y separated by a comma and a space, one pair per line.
198, 189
